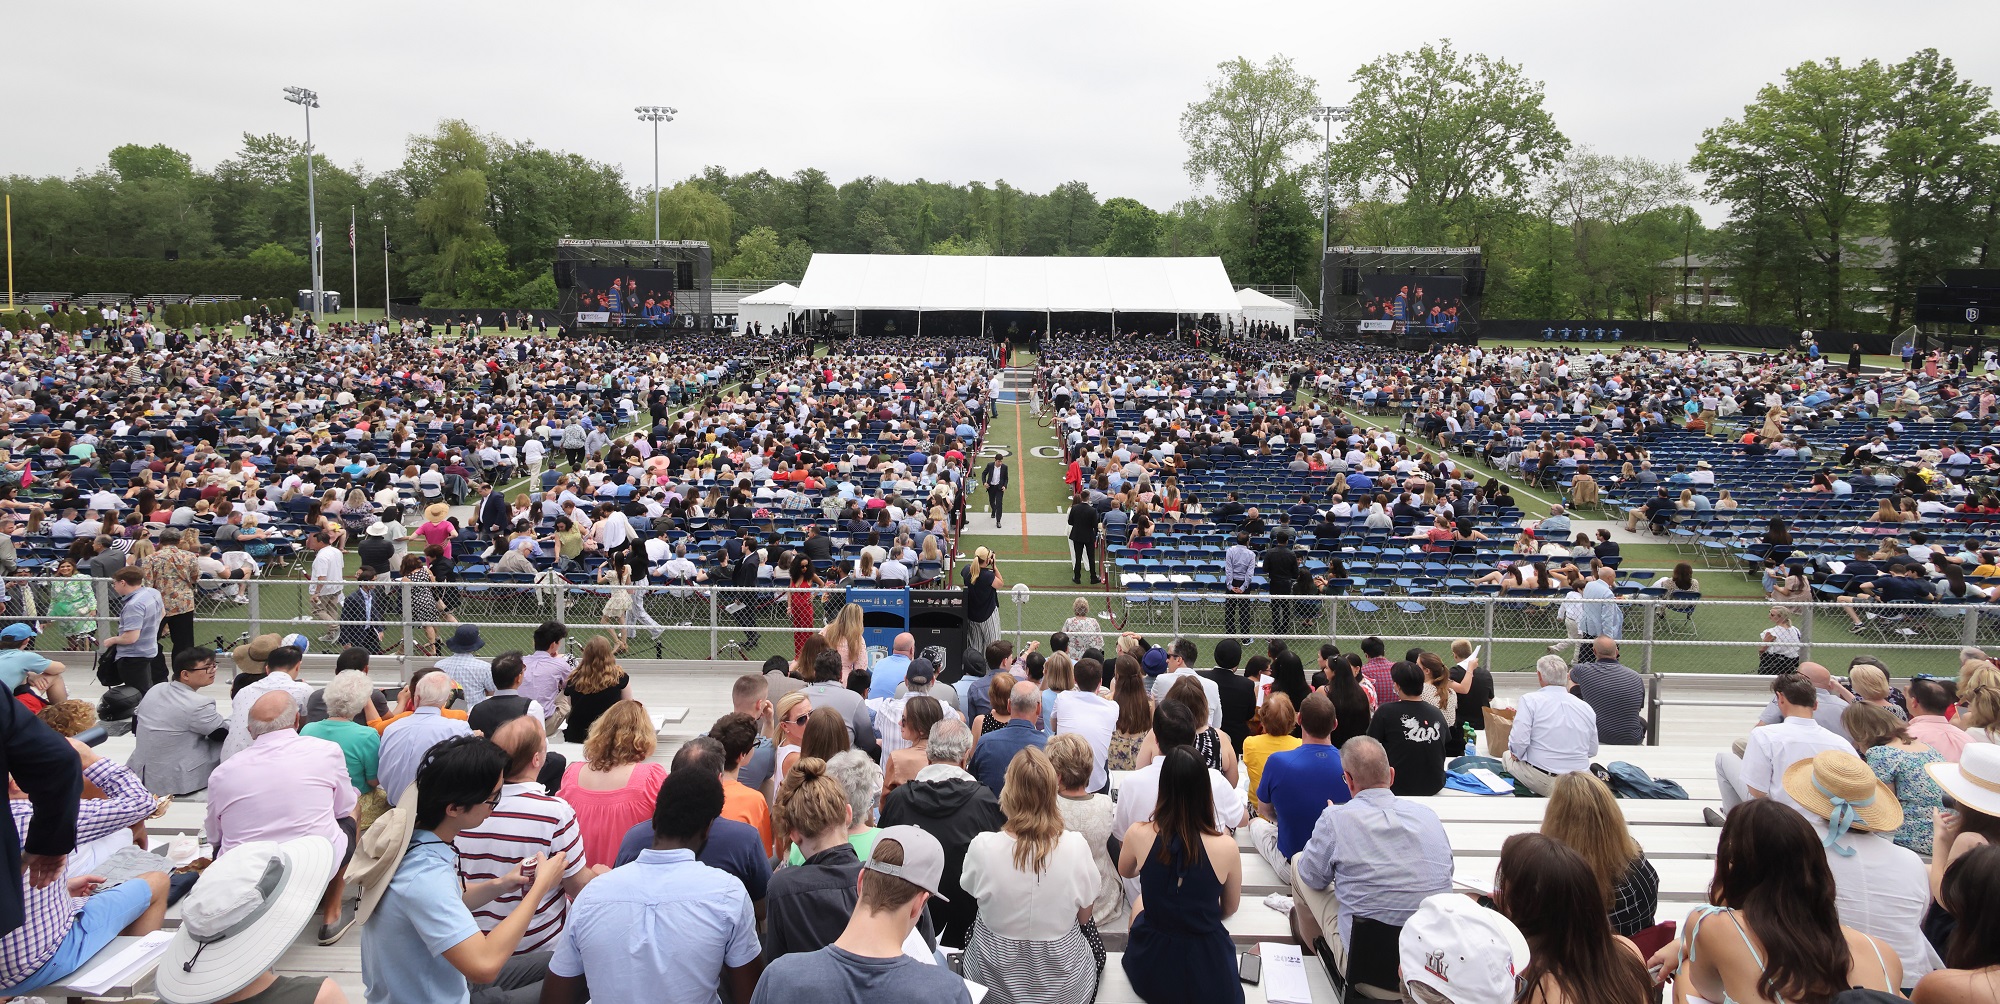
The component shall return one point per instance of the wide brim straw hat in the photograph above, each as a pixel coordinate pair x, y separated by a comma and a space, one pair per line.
437, 511
242, 917
1833, 780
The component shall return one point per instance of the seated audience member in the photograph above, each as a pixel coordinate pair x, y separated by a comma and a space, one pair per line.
1554, 733
1376, 856
1774, 931
288, 786
1174, 726
375, 709
995, 750
1084, 712
406, 699
617, 784
281, 672
1551, 894
737, 733
750, 696
1832, 701
811, 899
1488, 952
1615, 692
1411, 732
1236, 695
732, 845
829, 692
1190, 875
178, 733
527, 822
866, 964
488, 715
1928, 725
1971, 894
420, 940
1881, 889
405, 741
861, 779
1759, 771
70, 918
1088, 813
1278, 719
1903, 764
21, 666
215, 956
665, 927
1036, 884
1297, 784
913, 720
345, 698
1583, 814
953, 807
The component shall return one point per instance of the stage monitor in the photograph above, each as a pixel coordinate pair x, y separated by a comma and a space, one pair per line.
1413, 302
618, 297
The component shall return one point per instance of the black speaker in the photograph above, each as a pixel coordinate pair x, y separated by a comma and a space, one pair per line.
684, 275
564, 277
1350, 281
1475, 282
173, 255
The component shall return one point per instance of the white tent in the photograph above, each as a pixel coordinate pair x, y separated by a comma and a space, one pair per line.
770, 307
1257, 307
981, 283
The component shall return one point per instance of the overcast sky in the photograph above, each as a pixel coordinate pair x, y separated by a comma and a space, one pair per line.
1034, 93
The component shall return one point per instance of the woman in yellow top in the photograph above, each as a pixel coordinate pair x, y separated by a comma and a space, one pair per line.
1278, 720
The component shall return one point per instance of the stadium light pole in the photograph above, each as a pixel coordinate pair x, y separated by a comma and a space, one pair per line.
1328, 114
309, 100
656, 114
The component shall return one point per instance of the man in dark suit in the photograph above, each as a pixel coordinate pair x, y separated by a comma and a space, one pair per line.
493, 515
1083, 524
49, 771
1281, 571
1237, 695
994, 477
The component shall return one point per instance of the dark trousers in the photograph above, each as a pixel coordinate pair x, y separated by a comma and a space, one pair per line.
994, 496
141, 671
1236, 615
575, 459
180, 627
553, 765
1281, 606
519, 982
1083, 552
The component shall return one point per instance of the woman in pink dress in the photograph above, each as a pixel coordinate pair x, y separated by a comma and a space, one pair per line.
437, 528
615, 787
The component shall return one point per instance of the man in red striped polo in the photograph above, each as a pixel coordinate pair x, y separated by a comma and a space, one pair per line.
528, 821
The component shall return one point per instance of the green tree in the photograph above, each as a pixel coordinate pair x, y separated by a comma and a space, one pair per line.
133, 162
1935, 149
956, 245
872, 232
1130, 229
689, 212
1243, 135
1602, 200
277, 255
814, 208
762, 254
1804, 150
1067, 221
1447, 131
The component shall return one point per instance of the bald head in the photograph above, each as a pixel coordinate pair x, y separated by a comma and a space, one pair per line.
1818, 674
273, 712
906, 644
434, 690
1366, 764
1608, 576
525, 743
1606, 648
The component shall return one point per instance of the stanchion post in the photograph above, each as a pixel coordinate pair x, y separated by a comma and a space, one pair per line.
714, 630
1653, 684
256, 610
1652, 619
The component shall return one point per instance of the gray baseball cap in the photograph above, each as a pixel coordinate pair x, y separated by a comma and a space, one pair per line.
923, 858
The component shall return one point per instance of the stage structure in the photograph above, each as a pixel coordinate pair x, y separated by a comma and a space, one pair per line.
1405, 295
634, 289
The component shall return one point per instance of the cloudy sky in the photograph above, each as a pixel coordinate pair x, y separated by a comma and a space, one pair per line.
1036, 93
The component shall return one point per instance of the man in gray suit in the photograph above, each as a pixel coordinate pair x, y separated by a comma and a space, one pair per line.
179, 732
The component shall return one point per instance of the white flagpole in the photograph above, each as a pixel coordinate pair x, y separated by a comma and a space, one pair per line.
385, 272
354, 261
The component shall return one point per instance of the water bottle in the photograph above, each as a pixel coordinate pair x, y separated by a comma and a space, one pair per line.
1471, 741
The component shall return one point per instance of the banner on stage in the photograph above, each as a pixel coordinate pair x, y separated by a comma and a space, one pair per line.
1377, 325
593, 317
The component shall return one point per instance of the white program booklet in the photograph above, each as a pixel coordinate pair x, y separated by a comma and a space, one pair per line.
1284, 974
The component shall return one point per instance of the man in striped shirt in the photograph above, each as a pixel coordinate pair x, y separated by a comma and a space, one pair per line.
528, 821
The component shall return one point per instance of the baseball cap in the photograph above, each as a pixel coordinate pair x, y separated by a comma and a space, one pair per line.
1455, 951
921, 673
17, 632
923, 858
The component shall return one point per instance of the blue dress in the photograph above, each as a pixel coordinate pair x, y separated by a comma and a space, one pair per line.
1178, 952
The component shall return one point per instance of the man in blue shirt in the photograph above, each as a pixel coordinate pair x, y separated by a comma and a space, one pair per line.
1295, 786
889, 670
666, 927
996, 749
420, 942
733, 846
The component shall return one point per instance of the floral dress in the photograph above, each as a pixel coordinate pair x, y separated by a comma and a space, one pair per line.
73, 597
1903, 771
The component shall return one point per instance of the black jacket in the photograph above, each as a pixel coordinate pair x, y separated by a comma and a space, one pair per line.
488, 715
807, 906
1238, 697
954, 811
986, 475
49, 771
1083, 523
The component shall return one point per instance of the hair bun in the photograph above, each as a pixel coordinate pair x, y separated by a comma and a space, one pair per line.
809, 767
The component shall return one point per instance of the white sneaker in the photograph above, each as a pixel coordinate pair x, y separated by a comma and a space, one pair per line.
1279, 901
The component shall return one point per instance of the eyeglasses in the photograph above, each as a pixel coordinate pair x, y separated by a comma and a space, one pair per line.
494, 802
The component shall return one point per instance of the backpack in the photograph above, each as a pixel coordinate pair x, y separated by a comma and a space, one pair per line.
1630, 781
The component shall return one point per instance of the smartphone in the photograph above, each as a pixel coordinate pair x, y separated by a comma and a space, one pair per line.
1250, 968
1654, 972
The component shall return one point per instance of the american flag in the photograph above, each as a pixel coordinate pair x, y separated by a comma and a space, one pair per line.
350, 235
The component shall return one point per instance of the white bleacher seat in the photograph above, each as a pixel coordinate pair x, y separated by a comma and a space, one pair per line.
1114, 988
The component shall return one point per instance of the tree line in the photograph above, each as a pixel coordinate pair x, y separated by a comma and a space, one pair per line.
1846, 185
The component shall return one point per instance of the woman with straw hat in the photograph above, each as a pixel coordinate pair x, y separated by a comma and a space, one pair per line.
436, 529
1879, 887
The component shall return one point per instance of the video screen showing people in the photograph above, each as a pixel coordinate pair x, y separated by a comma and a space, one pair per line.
625, 297
1416, 302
